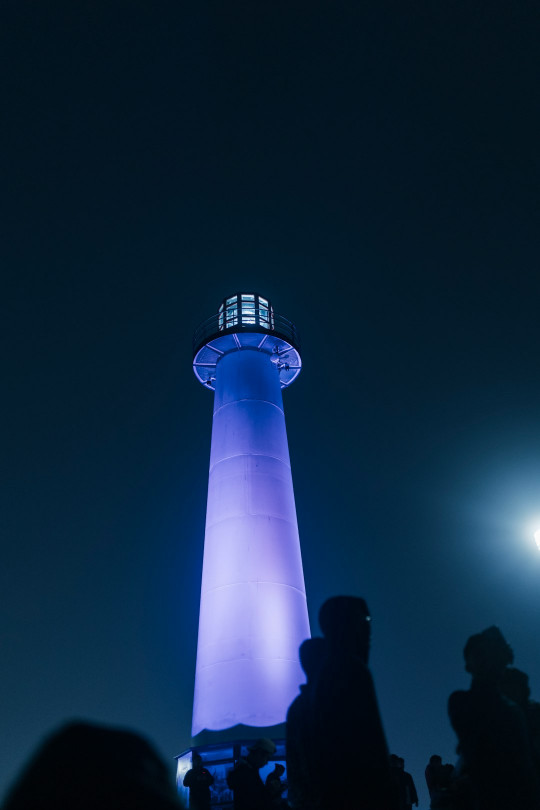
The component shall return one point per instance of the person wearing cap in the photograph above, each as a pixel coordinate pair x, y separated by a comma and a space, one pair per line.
244, 779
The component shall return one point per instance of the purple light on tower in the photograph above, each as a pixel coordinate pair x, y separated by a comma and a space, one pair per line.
253, 612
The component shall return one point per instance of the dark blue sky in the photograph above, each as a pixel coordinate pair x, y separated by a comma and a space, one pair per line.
373, 169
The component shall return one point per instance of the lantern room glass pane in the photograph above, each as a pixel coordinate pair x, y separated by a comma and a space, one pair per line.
248, 310
231, 314
263, 317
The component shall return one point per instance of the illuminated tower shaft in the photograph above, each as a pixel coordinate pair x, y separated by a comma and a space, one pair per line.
253, 613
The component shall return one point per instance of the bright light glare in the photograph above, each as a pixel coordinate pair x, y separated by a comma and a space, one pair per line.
532, 529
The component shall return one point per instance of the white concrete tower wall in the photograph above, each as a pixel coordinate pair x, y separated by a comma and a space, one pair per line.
253, 611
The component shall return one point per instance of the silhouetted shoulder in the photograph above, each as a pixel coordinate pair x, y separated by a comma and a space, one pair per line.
459, 698
459, 706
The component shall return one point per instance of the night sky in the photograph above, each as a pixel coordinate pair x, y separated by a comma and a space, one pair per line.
373, 169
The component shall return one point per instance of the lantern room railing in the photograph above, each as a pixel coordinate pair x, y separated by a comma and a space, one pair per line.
216, 327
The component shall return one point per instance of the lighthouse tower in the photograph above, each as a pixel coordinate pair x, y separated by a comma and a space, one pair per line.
253, 611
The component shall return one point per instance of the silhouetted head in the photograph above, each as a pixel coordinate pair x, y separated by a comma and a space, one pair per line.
85, 767
279, 769
487, 654
394, 761
435, 759
346, 624
515, 686
196, 760
261, 751
312, 654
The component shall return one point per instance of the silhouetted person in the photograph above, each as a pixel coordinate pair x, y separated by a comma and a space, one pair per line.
244, 779
275, 787
408, 789
396, 782
88, 767
439, 782
493, 741
302, 786
198, 779
346, 714
515, 686
433, 770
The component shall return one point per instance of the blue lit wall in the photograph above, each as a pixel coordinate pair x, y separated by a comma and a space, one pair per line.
253, 614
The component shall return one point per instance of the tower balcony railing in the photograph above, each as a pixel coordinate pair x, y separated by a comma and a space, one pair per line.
217, 326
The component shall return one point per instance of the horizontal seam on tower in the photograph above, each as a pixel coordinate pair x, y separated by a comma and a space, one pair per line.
238, 455
257, 582
227, 404
210, 524
251, 658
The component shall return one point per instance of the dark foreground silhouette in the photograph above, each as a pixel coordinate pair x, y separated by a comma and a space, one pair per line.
303, 792
89, 767
403, 784
498, 734
440, 783
249, 790
198, 779
341, 712
515, 687
495, 770
337, 756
